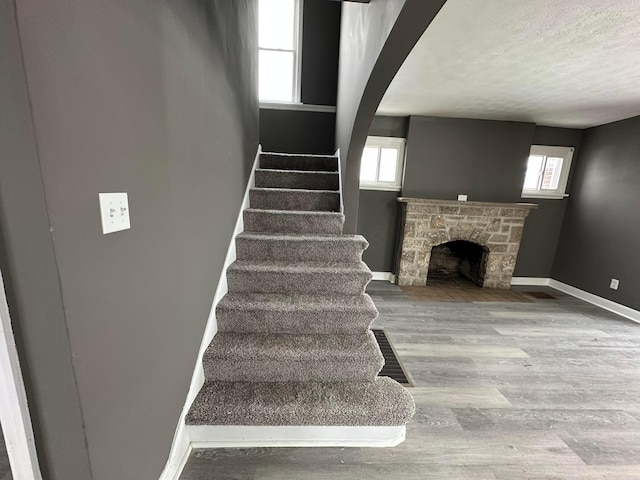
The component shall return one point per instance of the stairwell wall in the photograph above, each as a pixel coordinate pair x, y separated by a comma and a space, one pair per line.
299, 131
157, 99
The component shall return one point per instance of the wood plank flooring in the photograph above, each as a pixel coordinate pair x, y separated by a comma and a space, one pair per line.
542, 389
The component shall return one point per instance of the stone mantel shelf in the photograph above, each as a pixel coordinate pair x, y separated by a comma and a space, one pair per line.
529, 206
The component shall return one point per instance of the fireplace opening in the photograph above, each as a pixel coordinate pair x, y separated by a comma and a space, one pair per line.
456, 259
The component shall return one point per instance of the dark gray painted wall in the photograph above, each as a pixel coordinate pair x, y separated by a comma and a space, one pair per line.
378, 212
157, 99
385, 126
292, 131
542, 228
320, 50
601, 230
484, 159
377, 221
295, 131
29, 268
376, 39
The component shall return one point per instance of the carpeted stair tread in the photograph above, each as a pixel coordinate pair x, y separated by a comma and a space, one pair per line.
300, 247
291, 314
308, 180
382, 402
318, 163
287, 221
298, 277
294, 199
258, 357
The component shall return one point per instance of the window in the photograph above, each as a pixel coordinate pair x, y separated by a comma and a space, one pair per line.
547, 172
279, 50
382, 163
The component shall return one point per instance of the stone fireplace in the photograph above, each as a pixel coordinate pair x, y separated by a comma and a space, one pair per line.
493, 229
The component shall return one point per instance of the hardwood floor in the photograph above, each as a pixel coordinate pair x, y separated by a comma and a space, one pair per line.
540, 389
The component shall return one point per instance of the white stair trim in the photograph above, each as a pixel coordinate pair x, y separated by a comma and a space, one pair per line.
240, 436
390, 277
601, 302
181, 446
14, 409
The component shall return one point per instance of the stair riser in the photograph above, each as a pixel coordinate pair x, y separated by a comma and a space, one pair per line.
309, 250
304, 283
294, 162
294, 322
291, 223
292, 200
234, 370
383, 402
309, 181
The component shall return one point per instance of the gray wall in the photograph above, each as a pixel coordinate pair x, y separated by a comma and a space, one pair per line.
384, 126
484, 159
157, 99
601, 230
377, 215
294, 131
376, 38
29, 269
542, 228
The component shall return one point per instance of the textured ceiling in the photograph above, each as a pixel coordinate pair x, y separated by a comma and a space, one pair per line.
569, 63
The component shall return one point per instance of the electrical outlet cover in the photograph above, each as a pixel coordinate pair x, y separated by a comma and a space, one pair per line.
114, 212
614, 283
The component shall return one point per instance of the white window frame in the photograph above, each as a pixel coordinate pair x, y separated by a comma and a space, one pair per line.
387, 142
297, 58
566, 153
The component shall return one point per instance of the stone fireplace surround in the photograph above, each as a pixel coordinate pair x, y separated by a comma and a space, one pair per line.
427, 223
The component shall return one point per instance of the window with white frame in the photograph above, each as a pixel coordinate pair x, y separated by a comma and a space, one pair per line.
547, 171
382, 164
279, 39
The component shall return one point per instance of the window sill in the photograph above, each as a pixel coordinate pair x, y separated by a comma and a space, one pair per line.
558, 196
381, 188
297, 106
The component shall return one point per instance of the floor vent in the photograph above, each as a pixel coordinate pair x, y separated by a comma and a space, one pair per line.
392, 367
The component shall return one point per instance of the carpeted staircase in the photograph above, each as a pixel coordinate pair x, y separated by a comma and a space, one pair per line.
293, 346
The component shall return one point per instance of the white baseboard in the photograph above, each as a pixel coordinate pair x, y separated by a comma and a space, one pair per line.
231, 436
533, 281
384, 276
601, 302
609, 305
181, 446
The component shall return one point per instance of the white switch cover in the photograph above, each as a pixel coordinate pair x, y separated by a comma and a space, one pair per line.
462, 198
614, 283
114, 211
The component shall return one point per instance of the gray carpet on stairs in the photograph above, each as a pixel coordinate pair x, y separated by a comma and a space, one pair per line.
294, 345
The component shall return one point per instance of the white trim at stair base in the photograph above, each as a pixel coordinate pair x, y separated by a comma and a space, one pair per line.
181, 446
384, 276
232, 436
14, 410
601, 302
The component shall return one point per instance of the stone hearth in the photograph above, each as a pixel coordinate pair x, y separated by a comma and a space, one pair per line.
427, 223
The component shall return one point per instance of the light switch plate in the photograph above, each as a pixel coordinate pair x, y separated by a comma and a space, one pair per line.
114, 212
